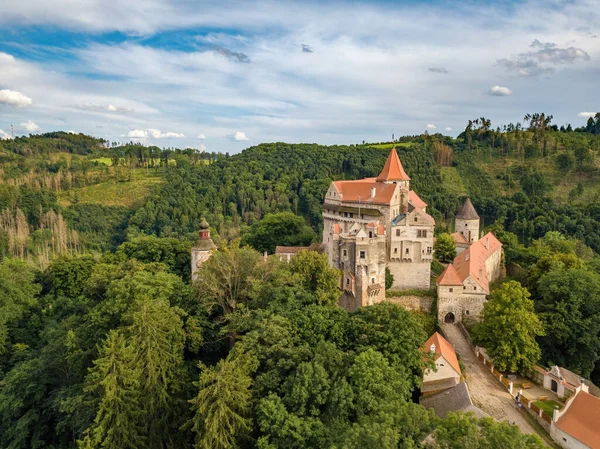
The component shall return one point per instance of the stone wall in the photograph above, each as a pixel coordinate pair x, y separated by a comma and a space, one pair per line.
412, 302
410, 275
464, 306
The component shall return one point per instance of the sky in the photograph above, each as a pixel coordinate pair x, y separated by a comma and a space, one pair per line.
226, 75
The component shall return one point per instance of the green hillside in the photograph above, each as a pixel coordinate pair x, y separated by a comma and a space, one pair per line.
106, 342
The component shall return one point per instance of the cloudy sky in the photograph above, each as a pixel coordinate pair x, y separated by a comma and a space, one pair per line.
224, 75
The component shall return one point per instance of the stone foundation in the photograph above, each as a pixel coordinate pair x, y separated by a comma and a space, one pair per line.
412, 302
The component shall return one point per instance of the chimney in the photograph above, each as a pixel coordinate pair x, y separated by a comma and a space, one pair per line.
373, 191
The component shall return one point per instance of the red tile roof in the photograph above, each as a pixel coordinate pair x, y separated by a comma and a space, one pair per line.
393, 170
581, 420
449, 277
471, 262
459, 238
415, 200
360, 190
442, 348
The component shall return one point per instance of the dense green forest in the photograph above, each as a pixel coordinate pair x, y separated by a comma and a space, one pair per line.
105, 342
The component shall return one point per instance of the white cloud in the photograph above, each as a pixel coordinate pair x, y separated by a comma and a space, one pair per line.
153, 134
14, 98
158, 134
100, 108
4, 135
201, 147
201, 136
72, 132
543, 59
239, 136
431, 126
137, 134
499, 91
448, 129
587, 114
30, 126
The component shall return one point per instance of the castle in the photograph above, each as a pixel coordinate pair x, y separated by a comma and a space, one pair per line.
374, 223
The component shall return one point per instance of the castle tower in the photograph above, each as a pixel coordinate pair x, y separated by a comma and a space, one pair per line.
467, 222
393, 172
203, 249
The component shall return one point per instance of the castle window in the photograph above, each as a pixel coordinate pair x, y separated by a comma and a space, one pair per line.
351, 215
467, 312
345, 253
450, 289
475, 288
424, 233
397, 232
370, 234
372, 280
345, 214
347, 281
395, 250
416, 218
363, 254
429, 250
407, 250
466, 225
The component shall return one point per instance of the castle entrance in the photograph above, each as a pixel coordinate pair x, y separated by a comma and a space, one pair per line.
449, 318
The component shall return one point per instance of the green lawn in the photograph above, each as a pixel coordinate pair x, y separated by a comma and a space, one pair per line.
547, 406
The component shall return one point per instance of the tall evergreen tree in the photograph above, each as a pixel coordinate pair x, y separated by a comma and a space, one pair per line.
222, 406
116, 382
157, 338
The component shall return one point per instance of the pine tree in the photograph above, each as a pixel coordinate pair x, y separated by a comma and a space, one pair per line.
223, 404
115, 380
157, 338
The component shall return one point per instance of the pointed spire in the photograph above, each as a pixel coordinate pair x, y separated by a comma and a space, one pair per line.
393, 170
468, 212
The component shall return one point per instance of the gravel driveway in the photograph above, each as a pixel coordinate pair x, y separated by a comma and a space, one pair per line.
486, 391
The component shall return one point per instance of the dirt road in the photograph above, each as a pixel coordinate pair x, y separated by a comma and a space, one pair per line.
486, 391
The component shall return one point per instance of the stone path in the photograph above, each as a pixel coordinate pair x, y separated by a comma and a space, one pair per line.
486, 391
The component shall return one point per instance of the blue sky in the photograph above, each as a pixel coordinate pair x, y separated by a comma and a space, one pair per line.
224, 75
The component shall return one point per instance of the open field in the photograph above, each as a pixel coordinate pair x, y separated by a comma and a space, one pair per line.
115, 193
452, 180
388, 146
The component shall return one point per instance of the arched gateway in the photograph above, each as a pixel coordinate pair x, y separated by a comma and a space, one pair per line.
449, 318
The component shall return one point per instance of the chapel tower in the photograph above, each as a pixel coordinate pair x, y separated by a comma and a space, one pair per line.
203, 249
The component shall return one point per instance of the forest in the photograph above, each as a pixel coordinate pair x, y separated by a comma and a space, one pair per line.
106, 343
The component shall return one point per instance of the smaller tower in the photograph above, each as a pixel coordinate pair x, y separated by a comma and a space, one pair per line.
467, 222
203, 249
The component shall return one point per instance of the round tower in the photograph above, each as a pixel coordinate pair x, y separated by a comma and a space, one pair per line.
467, 222
203, 249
